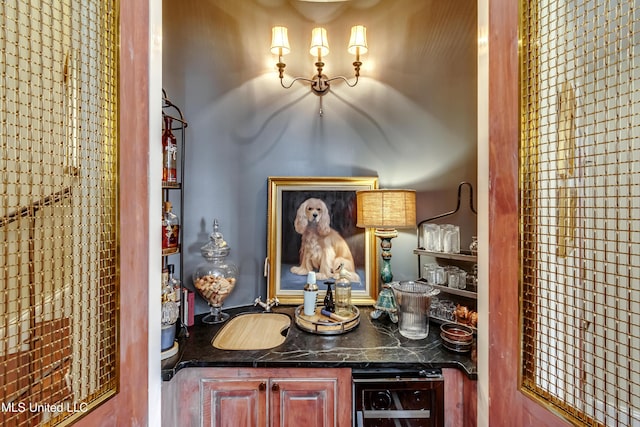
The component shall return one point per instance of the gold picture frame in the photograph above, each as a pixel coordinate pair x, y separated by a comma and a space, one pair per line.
286, 272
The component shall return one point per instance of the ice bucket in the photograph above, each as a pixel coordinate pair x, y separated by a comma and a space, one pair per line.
414, 302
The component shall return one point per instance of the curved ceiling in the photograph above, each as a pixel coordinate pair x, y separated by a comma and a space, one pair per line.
320, 11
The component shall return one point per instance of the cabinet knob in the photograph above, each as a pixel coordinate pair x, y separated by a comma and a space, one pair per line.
262, 386
275, 387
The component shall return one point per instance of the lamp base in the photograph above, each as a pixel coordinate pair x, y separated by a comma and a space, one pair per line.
385, 235
386, 302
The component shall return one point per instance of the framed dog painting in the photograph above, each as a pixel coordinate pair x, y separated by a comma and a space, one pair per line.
312, 227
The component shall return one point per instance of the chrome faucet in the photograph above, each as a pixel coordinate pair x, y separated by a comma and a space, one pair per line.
266, 305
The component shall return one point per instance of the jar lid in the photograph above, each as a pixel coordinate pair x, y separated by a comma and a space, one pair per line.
217, 246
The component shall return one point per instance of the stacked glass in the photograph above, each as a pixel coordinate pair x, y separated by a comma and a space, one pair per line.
441, 238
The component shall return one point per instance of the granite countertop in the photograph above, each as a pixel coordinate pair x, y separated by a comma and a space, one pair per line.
372, 344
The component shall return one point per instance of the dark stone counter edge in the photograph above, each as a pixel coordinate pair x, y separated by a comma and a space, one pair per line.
196, 350
167, 374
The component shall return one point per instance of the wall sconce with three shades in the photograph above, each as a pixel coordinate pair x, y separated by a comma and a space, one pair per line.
320, 83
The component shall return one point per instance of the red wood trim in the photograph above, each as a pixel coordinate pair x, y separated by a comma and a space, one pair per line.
460, 399
470, 398
504, 404
129, 406
453, 398
507, 405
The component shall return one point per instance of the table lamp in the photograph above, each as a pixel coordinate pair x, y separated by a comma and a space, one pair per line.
386, 211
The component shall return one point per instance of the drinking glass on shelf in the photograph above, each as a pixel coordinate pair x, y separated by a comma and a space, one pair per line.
452, 276
447, 310
441, 276
435, 304
455, 243
462, 279
432, 237
451, 239
430, 273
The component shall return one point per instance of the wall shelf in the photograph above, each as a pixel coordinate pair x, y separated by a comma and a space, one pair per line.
172, 251
463, 256
464, 260
453, 291
179, 125
171, 185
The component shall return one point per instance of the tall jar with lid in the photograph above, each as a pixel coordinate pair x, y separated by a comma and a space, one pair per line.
215, 278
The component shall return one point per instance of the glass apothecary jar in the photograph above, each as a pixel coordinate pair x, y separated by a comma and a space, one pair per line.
473, 247
215, 278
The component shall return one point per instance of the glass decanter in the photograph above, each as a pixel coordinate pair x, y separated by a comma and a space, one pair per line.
215, 278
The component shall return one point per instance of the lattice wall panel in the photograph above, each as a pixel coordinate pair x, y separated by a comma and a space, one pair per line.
58, 210
580, 207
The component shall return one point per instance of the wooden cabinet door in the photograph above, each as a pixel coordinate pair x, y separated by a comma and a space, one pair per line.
233, 402
311, 398
309, 403
258, 397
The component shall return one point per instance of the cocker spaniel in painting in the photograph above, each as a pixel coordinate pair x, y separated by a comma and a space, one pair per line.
322, 248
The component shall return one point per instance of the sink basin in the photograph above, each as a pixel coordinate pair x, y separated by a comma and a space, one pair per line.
253, 331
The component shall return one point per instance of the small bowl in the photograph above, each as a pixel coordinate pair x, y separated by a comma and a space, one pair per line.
451, 342
456, 333
457, 348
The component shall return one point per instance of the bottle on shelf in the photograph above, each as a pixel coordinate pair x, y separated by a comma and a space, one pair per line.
169, 153
173, 283
329, 303
343, 293
310, 294
169, 300
170, 230
165, 278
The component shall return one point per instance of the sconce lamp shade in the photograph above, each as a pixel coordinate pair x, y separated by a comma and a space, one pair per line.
319, 48
357, 40
319, 41
386, 209
280, 41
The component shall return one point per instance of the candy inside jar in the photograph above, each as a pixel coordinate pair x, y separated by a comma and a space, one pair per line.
215, 278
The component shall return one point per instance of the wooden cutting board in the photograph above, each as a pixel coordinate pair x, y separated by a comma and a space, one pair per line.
254, 331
